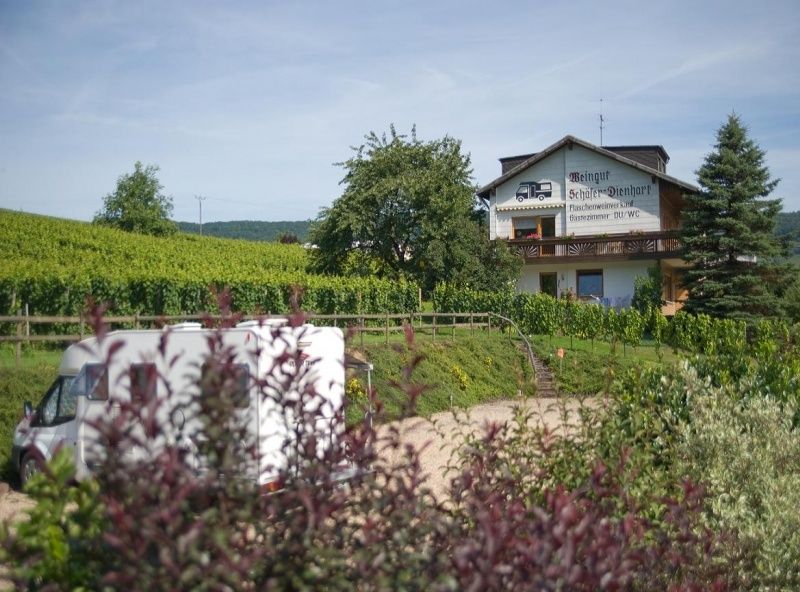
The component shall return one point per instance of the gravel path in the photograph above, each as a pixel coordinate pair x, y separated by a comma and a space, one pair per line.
439, 433
420, 432
12, 504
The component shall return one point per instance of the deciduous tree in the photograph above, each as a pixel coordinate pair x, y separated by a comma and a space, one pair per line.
138, 204
410, 205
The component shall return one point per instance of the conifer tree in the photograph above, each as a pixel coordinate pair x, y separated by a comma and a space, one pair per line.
728, 231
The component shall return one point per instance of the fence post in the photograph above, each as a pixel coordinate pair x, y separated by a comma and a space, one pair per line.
136, 321
471, 326
434, 327
18, 345
27, 326
387, 327
454, 328
80, 326
361, 328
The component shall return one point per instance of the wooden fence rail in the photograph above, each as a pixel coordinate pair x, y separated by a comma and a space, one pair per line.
354, 323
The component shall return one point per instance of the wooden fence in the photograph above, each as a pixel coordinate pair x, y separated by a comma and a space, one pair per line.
357, 325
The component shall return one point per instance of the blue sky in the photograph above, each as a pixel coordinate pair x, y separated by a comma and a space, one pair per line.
250, 104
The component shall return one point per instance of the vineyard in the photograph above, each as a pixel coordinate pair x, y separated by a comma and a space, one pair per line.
52, 266
540, 314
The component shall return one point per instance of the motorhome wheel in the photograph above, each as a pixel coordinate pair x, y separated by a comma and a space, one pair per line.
28, 469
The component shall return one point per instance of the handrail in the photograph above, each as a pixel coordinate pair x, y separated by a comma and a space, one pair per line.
521, 334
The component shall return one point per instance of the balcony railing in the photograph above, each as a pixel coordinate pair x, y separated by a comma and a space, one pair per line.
645, 245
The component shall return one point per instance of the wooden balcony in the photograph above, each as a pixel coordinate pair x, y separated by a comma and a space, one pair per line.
621, 247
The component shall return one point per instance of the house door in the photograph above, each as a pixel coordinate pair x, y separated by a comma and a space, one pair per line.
548, 284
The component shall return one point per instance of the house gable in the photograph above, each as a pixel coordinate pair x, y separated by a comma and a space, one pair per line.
513, 165
585, 191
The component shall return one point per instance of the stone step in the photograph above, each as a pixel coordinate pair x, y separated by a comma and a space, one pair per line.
545, 382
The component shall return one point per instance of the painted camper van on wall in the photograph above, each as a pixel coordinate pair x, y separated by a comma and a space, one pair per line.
534, 190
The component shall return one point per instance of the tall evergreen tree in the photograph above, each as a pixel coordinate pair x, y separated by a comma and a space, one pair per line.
728, 231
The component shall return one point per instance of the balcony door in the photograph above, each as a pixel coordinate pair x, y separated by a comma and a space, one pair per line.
547, 229
547, 226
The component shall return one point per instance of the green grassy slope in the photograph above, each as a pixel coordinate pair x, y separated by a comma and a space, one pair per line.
473, 370
37, 371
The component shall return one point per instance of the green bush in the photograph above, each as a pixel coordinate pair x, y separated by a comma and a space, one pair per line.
747, 452
647, 290
150, 520
62, 538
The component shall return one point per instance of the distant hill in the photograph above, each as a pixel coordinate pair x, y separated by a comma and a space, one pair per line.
789, 225
250, 229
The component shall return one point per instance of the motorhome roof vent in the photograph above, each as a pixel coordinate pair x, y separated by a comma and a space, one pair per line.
185, 326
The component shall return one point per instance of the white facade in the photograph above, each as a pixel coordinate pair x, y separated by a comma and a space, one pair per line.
618, 279
588, 220
591, 194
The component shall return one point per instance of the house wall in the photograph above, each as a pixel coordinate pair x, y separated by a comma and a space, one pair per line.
605, 196
618, 277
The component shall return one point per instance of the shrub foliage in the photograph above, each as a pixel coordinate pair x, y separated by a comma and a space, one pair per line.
513, 517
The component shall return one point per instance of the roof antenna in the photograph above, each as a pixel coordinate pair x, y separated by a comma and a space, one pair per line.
602, 121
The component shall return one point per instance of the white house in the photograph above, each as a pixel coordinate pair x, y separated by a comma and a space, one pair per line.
590, 219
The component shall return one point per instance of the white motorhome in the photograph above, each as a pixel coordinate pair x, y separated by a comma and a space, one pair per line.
90, 387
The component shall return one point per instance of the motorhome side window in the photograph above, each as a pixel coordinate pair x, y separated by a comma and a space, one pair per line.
234, 381
144, 382
92, 382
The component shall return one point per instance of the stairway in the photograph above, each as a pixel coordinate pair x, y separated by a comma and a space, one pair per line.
545, 382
